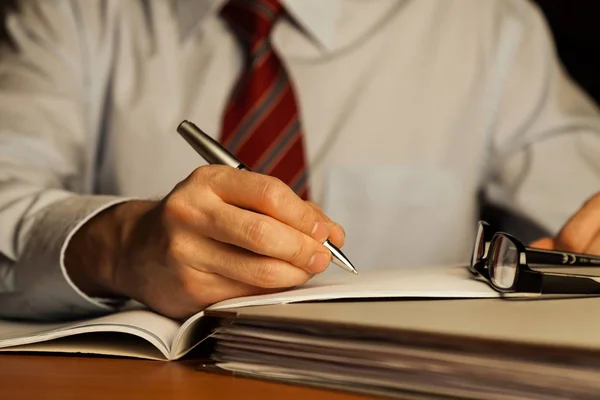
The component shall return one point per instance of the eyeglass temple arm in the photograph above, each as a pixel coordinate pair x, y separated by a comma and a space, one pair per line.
536, 257
568, 284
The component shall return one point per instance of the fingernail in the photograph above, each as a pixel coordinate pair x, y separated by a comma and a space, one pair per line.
320, 232
319, 261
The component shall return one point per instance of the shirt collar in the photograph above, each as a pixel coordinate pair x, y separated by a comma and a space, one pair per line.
316, 17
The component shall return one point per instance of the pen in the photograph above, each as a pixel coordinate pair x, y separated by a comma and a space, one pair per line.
214, 153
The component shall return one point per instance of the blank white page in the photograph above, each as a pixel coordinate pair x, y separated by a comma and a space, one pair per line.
437, 282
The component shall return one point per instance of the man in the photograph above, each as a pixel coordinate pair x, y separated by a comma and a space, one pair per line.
391, 115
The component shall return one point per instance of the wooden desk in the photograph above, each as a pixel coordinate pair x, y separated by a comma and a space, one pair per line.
82, 377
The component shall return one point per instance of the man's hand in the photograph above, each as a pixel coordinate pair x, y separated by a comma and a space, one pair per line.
221, 233
581, 234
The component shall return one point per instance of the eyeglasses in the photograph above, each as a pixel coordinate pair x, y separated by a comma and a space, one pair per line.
485, 233
506, 264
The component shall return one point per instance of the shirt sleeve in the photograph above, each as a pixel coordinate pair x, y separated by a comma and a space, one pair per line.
543, 152
52, 83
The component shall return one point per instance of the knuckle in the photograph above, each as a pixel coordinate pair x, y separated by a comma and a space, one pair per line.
272, 192
209, 174
298, 256
309, 218
209, 218
256, 232
312, 204
316, 209
176, 208
178, 211
199, 174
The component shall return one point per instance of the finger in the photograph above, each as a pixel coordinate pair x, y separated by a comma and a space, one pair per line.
581, 229
257, 233
337, 234
216, 288
594, 246
195, 290
545, 243
270, 196
244, 266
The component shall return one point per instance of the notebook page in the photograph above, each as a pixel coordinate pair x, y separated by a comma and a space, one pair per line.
156, 329
431, 282
99, 343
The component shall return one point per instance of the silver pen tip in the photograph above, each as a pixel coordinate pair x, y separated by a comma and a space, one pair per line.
339, 258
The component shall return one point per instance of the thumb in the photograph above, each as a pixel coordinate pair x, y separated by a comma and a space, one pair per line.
545, 243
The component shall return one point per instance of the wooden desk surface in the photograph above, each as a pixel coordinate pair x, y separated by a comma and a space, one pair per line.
81, 377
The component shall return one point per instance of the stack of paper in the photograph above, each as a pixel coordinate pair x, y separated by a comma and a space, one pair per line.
474, 349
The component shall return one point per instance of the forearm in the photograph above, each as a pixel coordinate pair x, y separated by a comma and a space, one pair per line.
36, 230
100, 246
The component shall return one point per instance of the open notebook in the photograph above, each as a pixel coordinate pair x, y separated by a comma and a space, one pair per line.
144, 334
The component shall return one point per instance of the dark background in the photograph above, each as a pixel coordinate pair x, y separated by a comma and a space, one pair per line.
576, 28
5, 7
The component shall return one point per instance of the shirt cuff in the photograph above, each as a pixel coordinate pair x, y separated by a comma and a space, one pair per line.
45, 289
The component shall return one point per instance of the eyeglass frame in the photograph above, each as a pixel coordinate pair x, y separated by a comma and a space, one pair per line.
485, 232
528, 280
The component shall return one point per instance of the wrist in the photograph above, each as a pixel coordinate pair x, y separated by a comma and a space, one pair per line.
100, 247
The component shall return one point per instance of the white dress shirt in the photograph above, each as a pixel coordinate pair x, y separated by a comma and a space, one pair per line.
409, 109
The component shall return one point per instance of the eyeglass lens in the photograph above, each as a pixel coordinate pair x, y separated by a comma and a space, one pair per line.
504, 262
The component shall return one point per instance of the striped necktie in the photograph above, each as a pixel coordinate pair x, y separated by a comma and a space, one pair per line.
261, 124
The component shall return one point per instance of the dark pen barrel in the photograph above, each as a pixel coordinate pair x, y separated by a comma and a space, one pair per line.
207, 147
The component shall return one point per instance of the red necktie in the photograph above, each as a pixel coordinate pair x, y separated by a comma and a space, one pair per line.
261, 125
